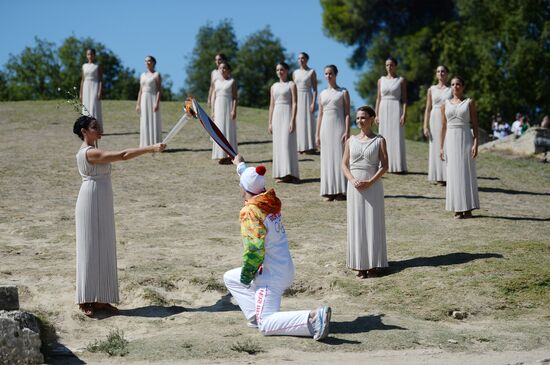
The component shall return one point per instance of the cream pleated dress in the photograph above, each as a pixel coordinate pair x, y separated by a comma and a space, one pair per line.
437, 169
332, 149
365, 208
462, 194
285, 154
223, 100
305, 123
96, 263
389, 115
214, 75
150, 130
90, 90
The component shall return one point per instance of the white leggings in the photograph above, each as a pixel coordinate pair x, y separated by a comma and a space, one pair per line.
263, 303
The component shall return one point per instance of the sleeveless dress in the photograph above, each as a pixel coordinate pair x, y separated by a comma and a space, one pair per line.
150, 131
96, 263
390, 111
437, 169
222, 116
90, 90
285, 154
365, 208
332, 149
214, 75
461, 193
305, 123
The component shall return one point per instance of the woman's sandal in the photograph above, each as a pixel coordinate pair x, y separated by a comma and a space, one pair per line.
86, 309
467, 214
458, 215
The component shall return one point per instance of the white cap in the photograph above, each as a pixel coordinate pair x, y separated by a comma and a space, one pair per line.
252, 178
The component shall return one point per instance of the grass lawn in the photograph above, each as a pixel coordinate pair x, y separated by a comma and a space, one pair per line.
178, 232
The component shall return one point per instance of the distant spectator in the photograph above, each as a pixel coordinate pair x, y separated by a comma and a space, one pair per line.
545, 122
516, 126
503, 129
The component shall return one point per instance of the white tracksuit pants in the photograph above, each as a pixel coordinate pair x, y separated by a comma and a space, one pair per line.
263, 303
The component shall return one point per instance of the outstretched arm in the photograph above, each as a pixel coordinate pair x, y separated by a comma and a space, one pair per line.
97, 156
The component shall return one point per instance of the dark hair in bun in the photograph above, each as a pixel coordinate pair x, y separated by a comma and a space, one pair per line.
83, 121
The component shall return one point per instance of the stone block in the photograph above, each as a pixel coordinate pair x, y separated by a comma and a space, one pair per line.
9, 298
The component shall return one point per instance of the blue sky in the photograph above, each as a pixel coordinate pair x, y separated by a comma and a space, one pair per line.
167, 29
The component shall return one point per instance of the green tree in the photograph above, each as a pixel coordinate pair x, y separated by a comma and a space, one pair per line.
35, 73
500, 47
209, 41
4, 95
119, 82
255, 67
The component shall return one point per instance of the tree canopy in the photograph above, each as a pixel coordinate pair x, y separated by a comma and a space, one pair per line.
39, 70
209, 41
253, 62
500, 47
255, 69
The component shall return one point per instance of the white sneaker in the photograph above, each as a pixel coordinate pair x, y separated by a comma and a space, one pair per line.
322, 323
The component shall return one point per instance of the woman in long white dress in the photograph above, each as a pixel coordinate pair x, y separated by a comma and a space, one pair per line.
282, 125
96, 263
215, 75
459, 149
365, 161
391, 108
225, 112
148, 105
91, 85
305, 79
437, 95
332, 132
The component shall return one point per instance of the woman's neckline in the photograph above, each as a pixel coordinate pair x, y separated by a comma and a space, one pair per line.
460, 102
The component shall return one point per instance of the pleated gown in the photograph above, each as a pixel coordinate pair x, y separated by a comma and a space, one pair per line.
332, 149
150, 130
214, 75
222, 116
365, 208
285, 154
390, 110
96, 262
90, 91
461, 193
437, 169
305, 122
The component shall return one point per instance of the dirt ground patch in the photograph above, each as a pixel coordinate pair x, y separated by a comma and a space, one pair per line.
178, 232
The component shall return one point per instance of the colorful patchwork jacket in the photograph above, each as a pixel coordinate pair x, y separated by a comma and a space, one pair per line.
254, 231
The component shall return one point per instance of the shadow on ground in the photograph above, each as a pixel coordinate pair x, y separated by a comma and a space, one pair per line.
253, 142
310, 180
158, 311
455, 258
362, 324
533, 219
510, 191
412, 197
